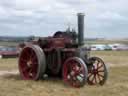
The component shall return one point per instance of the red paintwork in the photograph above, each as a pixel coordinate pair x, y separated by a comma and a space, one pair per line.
57, 50
9, 53
58, 55
51, 46
72, 69
55, 42
28, 64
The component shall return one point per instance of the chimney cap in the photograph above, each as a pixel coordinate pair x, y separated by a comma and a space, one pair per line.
80, 14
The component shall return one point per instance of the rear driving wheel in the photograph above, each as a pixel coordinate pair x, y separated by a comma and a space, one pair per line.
75, 72
97, 73
32, 62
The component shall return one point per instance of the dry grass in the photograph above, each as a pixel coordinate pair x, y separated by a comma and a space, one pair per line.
107, 41
7, 43
116, 58
8, 64
117, 84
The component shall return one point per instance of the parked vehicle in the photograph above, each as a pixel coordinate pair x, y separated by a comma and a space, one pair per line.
107, 47
114, 46
118, 46
97, 47
6, 52
122, 47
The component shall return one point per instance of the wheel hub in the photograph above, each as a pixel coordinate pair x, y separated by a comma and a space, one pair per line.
29, 63
95, 71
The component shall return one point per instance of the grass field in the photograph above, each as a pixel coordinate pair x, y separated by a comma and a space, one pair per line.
114, 58
8, 64
107, 41
6, 43
117, 84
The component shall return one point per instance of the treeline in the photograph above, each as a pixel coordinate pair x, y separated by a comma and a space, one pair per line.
16, 39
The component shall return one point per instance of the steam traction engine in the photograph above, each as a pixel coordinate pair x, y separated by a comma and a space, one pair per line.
62, 55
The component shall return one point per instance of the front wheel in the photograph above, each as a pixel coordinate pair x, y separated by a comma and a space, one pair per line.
97, 71
75, 72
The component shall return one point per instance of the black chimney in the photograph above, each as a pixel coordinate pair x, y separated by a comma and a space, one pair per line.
80, 28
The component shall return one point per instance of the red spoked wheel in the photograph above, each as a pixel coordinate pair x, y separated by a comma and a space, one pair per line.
75, 72
97, 72
32, 62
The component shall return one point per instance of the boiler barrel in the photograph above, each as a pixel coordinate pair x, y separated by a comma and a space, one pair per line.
80, 28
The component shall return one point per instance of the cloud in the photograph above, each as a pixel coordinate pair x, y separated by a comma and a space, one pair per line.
104, 18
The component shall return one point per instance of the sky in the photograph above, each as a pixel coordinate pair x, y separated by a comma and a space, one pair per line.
103, 18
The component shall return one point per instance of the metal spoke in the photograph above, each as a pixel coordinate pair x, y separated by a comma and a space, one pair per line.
100, 75
34, 68
34, 58
27, 54
95, 79
81, 76
90, 75
100, 66
89, 71
25, 69
70, 65
100, 70
99, 78
23, 60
